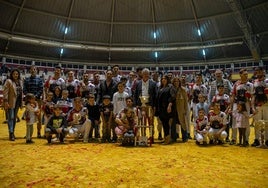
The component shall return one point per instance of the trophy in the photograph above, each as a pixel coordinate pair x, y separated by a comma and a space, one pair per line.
76, 118
144, 99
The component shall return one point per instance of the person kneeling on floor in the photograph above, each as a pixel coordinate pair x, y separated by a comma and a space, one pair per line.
78, 121
126, 121
201, 128
217, 122
57, 124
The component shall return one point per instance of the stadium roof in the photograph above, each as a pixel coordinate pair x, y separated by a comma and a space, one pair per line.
135, 31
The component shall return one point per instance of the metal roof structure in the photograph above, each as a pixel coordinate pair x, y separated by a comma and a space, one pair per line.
135, 31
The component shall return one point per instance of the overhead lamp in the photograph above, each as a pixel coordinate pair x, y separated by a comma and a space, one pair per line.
154, 35
66, 30
155, 54
204, 52
61, 51
199, 32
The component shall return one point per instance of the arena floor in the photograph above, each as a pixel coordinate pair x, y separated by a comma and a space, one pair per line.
110, 165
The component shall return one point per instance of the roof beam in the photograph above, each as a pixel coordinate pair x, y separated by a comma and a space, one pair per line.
197, 23
67, 22
240, 17
153, 18
154, 25
131, 63
15, 23
42, 42
68, 18
111, 29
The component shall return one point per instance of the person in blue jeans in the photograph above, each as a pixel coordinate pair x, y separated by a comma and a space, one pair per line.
12, 97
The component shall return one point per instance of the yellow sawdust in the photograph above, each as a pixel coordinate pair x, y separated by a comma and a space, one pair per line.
109, 165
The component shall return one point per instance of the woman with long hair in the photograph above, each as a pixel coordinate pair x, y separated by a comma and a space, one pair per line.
12, 94
164, 99
180, 109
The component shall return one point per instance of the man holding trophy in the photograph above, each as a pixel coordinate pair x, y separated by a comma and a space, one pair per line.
144, 98
78, 121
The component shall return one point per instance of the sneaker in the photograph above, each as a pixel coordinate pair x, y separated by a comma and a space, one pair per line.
233, 142
211, 142
227, 140
255, 143
54, 139
266, 142
247, 144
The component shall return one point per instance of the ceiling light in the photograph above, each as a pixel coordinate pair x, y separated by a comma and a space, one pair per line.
154, 35
66, 30
61, 51
204, 52
155, 54
199, 32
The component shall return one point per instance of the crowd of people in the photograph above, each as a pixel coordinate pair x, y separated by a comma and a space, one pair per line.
80, 108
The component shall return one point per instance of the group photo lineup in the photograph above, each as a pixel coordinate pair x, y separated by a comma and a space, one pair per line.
124, 93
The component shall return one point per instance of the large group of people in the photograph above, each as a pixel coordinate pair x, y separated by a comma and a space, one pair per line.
118, 104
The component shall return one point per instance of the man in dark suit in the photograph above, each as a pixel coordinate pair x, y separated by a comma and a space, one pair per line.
146, 87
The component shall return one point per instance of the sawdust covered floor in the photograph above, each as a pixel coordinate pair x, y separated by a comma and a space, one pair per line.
110, 165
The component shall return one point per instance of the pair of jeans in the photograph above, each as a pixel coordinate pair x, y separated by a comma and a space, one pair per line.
12, 117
